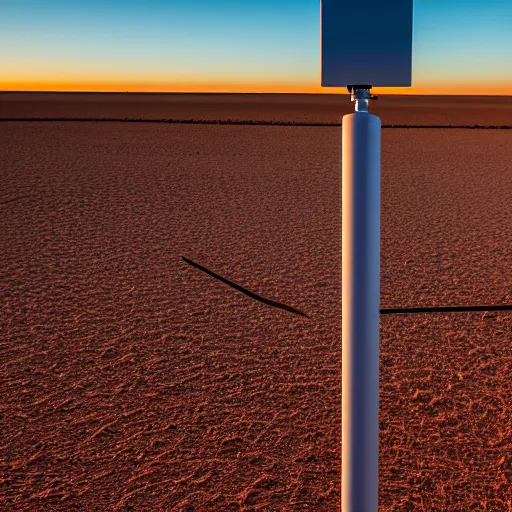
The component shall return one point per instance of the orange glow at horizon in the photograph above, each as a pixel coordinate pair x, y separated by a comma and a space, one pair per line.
227, 87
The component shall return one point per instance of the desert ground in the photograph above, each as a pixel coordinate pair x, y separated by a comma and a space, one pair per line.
289, 108
132, 381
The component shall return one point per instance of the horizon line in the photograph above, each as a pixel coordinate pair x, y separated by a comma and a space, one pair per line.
343, 93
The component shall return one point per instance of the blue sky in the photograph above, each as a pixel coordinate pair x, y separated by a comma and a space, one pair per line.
250, 45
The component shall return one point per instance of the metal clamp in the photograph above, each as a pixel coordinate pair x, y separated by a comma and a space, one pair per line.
361, 95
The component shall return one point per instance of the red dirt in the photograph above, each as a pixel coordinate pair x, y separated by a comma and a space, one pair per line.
315, 108
132, 381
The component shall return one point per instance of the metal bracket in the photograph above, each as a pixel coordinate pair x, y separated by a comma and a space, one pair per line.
361, 95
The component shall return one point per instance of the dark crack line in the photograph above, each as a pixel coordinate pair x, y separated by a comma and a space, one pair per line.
238, 122
384, 311
14, 199
254, 296
447, 309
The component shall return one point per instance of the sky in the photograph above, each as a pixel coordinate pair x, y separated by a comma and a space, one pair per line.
459, 46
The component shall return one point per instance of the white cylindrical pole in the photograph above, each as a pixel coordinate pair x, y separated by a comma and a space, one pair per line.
360, 310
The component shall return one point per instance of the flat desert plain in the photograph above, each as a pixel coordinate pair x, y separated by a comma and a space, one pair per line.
133, 381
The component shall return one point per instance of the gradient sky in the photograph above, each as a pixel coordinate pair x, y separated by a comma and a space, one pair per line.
459, 46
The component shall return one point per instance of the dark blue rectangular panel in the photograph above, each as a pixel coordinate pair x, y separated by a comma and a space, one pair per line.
366, 42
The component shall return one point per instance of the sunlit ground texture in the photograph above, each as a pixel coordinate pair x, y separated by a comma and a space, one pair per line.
132, 381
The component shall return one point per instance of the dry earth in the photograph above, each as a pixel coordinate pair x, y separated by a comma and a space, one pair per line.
131, 381
312, 108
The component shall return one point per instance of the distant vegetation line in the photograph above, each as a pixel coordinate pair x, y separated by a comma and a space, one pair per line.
238, 122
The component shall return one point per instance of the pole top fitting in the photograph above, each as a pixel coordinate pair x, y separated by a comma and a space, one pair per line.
361, 95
